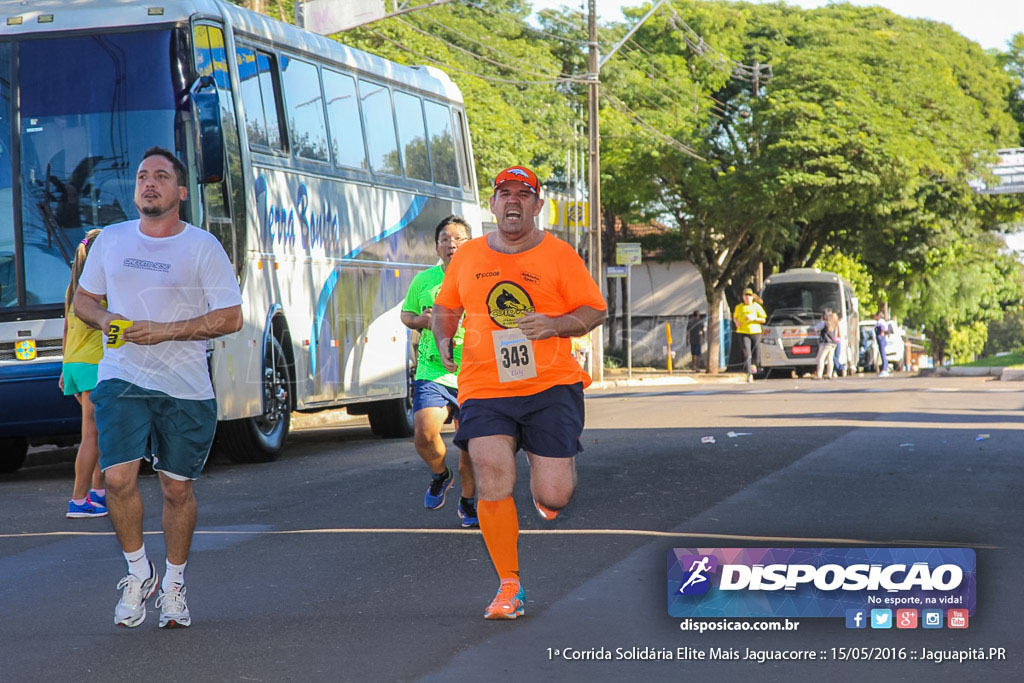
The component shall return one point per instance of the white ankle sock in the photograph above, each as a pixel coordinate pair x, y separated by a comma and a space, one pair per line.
138, 563
175, 574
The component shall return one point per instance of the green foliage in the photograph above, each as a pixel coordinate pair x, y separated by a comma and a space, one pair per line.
858, 276
966, 341
1012, 62
1006, 335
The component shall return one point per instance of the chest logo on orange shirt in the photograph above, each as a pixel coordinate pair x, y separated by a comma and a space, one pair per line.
507, 302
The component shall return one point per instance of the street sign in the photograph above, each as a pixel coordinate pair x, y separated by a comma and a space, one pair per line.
627, 254
615, 271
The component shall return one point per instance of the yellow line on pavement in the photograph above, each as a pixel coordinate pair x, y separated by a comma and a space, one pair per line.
548, 532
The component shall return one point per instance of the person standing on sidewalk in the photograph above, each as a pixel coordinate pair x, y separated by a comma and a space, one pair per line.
83, 349
882, 334
696, 330
525, 294
435, 389
749, 316
169, 287
828, 339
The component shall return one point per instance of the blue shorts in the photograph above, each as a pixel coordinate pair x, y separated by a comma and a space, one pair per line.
548, 423
428, 394
134, 423
79, 377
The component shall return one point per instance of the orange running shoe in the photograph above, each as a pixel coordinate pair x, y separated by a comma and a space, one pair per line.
508, 603
545, 512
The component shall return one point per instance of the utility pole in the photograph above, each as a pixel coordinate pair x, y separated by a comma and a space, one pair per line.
593, 81
596, 257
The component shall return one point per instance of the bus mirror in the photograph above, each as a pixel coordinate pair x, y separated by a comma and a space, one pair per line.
209, 137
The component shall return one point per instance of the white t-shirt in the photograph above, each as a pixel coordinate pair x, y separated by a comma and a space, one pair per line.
162, 279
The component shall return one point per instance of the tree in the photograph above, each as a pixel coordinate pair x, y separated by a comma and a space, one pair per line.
863, 141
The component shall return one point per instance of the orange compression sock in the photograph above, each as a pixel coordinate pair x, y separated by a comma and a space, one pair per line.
499, 524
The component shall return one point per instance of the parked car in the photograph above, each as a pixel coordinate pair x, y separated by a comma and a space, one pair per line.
895, 348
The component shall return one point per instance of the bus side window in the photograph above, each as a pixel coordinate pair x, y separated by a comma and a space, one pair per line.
442, 145
412, 135
462, 152
343, 118
381, 140
260, 98
305, 107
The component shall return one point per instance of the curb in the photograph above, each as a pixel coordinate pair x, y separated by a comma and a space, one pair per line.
963, 372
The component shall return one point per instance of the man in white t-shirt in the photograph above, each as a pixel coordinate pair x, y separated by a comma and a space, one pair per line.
169, 287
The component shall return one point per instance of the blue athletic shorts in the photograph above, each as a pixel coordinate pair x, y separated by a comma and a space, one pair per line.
548, 423
427, 394
179, 431
79, 377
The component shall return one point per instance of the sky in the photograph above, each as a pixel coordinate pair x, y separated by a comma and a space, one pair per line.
987, 22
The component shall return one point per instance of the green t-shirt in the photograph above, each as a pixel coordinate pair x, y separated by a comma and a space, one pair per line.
422, 292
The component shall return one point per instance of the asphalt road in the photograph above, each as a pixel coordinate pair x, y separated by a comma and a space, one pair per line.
325, 566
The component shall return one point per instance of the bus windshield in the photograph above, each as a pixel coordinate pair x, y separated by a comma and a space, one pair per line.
799, 303
89, 107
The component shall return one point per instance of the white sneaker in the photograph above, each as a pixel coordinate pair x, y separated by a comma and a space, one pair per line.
131, 608
173, 610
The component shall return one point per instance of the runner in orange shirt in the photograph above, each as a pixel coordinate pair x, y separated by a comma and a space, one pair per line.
525, 294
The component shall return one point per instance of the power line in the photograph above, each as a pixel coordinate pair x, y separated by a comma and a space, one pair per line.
638, 121
538, 31
493, 62
444, 65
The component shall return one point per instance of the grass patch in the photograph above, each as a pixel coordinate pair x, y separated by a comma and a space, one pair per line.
1011, 360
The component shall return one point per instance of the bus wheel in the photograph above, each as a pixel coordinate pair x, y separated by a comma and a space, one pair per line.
12, 454
262, 438
394, 419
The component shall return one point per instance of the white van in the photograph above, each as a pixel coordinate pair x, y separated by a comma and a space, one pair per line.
794, 301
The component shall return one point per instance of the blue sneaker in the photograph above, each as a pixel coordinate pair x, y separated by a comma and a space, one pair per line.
97, 499
86, 509
439, 485
467, 512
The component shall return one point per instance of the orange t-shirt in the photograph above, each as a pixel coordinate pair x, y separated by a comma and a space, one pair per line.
495, 289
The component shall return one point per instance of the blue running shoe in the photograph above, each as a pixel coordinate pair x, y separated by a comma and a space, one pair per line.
86, 509
97, 499
467, 512
439, 485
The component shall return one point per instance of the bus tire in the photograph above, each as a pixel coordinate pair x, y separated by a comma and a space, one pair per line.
392, 419
12, 454
262, 438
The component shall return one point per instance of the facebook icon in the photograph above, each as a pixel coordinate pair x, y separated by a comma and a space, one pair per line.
856, 618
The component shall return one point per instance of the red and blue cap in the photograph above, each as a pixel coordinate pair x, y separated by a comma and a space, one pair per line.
519, 174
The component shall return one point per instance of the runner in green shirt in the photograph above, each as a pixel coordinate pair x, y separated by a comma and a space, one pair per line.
435, 389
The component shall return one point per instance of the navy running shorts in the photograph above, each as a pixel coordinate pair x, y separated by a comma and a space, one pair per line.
548, 423
181, 429
428, 394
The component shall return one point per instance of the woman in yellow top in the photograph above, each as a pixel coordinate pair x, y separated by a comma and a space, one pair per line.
83, 349
748, 317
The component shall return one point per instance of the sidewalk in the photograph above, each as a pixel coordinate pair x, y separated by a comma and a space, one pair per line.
654, 377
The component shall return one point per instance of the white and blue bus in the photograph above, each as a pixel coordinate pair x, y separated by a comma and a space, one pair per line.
322, 170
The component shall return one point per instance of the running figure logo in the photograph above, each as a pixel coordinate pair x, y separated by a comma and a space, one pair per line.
699, 566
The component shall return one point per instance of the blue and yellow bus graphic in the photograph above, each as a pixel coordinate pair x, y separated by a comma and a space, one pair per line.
25, 349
